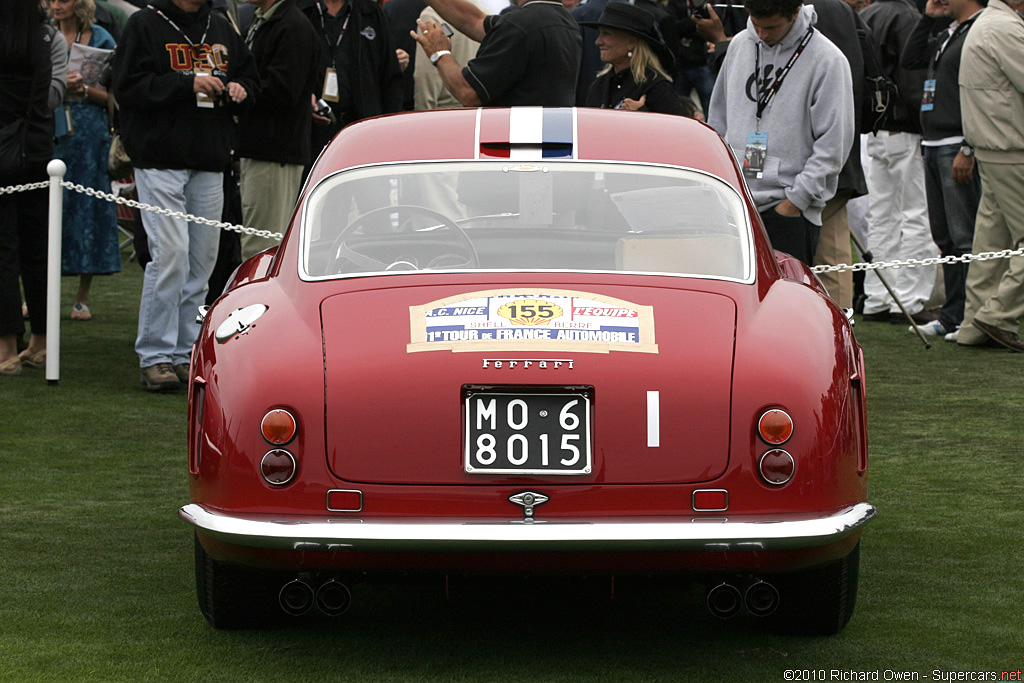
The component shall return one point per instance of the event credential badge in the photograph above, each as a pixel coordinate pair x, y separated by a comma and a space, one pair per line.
755, 154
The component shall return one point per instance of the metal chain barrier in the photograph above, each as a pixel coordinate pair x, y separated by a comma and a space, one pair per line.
174, 214
25, 188
167, 212
839, 268
916, 263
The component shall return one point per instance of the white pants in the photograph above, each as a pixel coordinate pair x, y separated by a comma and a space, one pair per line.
898, 222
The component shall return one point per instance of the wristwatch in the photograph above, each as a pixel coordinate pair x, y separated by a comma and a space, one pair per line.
966, 150
437, 55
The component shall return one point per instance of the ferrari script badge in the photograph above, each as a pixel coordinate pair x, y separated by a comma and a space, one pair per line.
524, 363
529, 500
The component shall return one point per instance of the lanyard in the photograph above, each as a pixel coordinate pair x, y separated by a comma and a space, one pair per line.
769, 93
323, 25
956, 32
251, 33
202, 41
78, 39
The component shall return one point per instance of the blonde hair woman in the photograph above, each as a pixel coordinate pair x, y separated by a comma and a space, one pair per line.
90, 244
636, 77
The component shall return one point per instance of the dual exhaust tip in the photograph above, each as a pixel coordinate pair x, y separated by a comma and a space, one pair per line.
333, 598
725, 600
297, 597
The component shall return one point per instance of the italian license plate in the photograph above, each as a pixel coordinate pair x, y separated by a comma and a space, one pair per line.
523, 433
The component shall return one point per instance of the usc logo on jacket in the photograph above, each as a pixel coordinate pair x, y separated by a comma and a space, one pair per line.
185, 57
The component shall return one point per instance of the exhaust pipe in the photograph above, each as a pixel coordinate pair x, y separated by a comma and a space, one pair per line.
724, 600
333, 598
296, 597
761, 598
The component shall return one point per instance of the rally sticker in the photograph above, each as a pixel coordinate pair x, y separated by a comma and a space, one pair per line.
517, 320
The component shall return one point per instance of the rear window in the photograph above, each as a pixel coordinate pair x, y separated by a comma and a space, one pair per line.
508, 216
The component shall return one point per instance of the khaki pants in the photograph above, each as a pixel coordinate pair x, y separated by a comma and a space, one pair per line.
834, 248
269, 191
995, 288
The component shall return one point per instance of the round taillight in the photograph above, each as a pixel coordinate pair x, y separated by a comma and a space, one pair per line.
278, 467
776, 467
278, 427
775, 427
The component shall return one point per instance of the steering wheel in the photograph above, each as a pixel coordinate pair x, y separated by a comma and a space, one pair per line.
404, 250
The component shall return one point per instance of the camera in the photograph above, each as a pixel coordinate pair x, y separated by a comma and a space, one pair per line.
223, 98
324, 109
699, 8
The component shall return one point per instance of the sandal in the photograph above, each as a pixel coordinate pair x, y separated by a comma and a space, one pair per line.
11, 366
35, 360
80, 312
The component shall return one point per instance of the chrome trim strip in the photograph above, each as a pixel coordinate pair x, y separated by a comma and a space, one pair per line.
411, 535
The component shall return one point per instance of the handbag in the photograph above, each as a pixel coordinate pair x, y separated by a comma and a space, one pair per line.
119, 164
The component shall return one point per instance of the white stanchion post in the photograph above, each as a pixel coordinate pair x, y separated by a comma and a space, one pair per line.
56, 168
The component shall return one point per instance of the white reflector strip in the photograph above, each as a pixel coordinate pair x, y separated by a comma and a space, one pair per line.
653, 419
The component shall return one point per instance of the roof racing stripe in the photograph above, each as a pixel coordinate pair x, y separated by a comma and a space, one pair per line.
526, 133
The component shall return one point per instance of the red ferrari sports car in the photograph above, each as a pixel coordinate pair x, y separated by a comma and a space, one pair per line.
527, 341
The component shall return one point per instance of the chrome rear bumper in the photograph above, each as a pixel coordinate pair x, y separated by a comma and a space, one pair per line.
779, 532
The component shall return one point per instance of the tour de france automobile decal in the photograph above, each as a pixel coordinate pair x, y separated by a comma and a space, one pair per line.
525, 320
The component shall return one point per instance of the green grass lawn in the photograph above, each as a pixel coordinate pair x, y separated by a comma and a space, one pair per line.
96, 575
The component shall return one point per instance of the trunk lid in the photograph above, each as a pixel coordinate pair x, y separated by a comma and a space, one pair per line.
398, 361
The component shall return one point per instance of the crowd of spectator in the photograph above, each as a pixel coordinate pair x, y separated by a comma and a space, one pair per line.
907, 112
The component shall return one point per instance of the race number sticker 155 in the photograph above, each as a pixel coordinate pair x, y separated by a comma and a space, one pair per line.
532, 320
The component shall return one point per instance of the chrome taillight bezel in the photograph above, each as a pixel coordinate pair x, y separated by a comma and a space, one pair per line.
276, 412
773, 412
278, 452
765, 478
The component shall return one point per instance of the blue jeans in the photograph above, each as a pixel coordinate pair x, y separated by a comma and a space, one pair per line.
951, 211
184, 254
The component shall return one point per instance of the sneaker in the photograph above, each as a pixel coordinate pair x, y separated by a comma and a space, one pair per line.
181, 370
160, 378
932, 329
80, 312
951, 337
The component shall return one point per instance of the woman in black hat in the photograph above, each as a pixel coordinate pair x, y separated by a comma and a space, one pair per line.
636, 77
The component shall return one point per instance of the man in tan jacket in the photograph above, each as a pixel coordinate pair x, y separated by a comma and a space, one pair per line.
992, 103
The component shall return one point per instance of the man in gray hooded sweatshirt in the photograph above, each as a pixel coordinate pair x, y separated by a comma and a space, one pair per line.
784, 103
